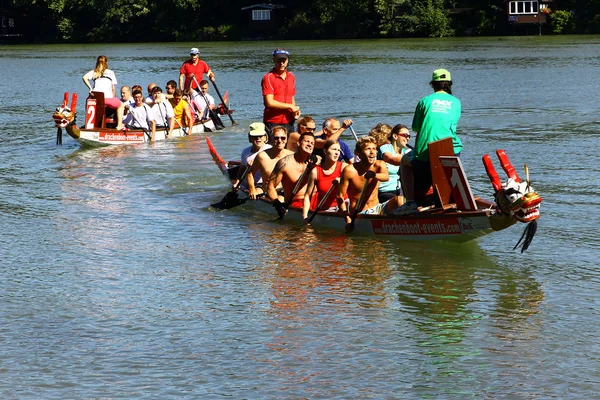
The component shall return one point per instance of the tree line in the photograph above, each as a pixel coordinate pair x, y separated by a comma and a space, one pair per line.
89, 21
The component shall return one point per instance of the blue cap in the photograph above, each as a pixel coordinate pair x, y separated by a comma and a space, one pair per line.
281, 53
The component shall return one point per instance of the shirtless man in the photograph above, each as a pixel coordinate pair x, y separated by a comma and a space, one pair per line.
305, 124
287, 171
353, 180
265, 161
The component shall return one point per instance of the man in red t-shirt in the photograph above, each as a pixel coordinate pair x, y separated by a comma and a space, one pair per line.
194, 68
278, 89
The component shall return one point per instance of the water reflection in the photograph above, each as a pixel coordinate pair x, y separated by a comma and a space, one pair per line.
308, 269
437, 286
449, 293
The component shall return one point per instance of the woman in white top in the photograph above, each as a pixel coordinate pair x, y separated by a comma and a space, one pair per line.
104, 80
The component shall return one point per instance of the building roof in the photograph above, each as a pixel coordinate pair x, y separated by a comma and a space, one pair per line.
263, 6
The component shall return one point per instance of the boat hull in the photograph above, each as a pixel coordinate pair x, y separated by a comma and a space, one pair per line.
452, 226
108, 136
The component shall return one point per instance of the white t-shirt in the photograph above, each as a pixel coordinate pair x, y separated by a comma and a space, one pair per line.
201, 102
103, 83
143, 116
248, 158
163, 111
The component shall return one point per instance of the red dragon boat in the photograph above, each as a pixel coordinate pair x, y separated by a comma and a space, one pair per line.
453, 213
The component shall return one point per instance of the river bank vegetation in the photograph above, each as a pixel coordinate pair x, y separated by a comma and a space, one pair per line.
53, 21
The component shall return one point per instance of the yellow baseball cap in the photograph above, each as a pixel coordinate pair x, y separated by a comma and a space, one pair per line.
440, 75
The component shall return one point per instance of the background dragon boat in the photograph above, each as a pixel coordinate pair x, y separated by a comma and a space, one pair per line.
449, 212
97, 131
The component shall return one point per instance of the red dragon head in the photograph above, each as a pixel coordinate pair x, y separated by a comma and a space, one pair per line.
64, 116
520, 200
514, 198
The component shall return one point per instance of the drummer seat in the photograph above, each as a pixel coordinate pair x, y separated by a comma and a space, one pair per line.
105, 117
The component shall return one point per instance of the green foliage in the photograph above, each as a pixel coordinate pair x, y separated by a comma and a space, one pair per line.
189, 20
432, 19
562, 21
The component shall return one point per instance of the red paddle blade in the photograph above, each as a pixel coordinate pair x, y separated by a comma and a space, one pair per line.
491, 172
507, 166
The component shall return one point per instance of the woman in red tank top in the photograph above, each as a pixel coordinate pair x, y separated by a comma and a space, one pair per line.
322, 177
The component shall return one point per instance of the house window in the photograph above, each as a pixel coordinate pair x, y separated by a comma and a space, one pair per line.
261, 15
524, 7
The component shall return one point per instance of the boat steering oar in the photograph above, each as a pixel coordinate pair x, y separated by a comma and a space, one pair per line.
322, 202
359, 204
222, 101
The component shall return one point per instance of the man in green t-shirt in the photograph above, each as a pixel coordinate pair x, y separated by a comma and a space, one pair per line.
436, 117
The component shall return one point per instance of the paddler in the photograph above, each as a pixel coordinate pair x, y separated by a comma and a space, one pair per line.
278, 90
265, 161
288, 172
365, 174
257, 136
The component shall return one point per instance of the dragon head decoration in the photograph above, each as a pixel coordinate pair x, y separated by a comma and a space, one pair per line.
514, 198
64, 115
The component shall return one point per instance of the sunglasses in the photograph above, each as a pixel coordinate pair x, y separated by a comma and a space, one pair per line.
306, 128
282, 138
404, 135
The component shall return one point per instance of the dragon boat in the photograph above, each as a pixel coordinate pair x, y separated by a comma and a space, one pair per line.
449, 211
97, 130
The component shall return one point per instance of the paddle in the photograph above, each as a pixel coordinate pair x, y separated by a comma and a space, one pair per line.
181, 126
222, 101
231, 199
282, 207
212, 113
353, 133
164, 117
321, 203
359, 205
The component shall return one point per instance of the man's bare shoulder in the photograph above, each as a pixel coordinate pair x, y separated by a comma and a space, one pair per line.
380, 164
349, 171
285, 153
282, 163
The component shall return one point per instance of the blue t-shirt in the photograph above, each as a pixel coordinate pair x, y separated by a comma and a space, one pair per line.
346, 153
394, 170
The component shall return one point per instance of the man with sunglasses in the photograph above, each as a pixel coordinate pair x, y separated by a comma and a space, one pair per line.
279, 89
193, 68
265, 161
